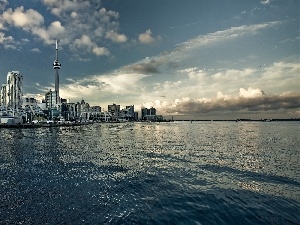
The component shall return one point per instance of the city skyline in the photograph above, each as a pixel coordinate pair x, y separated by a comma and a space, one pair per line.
190, 59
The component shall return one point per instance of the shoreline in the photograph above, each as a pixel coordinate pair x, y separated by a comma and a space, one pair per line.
26, 125
39, 125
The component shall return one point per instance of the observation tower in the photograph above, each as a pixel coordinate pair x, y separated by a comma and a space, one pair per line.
56, 67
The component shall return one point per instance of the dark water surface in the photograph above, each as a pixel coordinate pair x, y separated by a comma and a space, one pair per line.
148, 173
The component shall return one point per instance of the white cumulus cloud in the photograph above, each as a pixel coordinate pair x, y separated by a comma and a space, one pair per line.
147, 38
115, 37
251, 92
73, 22
85, 43
23, 18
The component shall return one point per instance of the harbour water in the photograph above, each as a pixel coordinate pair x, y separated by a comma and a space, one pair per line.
151, 173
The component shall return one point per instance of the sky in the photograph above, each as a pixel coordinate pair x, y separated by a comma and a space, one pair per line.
190, 59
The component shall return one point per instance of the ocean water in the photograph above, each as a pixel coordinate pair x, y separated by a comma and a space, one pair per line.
151, 173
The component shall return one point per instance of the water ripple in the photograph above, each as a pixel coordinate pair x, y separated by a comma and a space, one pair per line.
138, 173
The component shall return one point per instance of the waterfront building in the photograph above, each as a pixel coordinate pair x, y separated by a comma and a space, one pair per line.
152, 111
105, 116
136, 116
82, 110
130, 110
69, 111
31, 110
73, 111
127, 113
147, 112
143, 113
14, 92
114, 110
154, 118
85, 107
78, 109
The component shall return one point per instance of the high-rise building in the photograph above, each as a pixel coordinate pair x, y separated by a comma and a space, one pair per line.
3, 96
130, 110
147, 112
152, 111
127, 113
114, 109
14, 88
51, 100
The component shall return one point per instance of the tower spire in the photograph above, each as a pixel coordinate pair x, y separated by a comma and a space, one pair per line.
56, 48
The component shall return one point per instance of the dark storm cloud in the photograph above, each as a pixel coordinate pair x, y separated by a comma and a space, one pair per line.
144, 68
261, 103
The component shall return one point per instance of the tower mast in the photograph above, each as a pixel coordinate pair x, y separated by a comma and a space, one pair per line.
56, 67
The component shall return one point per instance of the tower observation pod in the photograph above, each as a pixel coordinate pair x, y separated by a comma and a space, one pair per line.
56, 67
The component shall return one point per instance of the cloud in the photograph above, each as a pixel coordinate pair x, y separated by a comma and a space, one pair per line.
25, 19
242, 103
251, 93
85, 43
265, 2
32, 21
2, 25
36, 50
48, 35
100, 51
4, 39
7, 41
225, 35
146, 38
198, 85
189, 90
74, 21
194, 93
107, 15
115, 37
63, 6
56, 29
284, 76
176, 94
99, 31
184, 50
106, 86
121, 83
145, 67
3, 4
195, 90
202, 91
